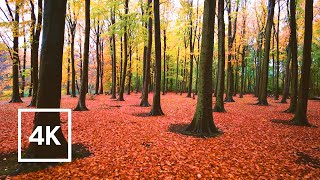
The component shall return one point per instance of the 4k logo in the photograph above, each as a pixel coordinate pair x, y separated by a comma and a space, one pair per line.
44, 135
49, 135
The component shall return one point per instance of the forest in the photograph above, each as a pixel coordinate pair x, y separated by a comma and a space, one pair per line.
160, 89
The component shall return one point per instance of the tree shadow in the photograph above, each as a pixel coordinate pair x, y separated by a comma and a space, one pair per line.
178, 128
306, 159
142, 114
181, 129
9, 165
115, 106
289, 123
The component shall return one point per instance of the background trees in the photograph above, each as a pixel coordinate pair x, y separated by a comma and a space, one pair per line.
120, 57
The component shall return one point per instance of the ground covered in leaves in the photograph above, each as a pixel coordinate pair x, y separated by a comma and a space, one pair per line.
123, 142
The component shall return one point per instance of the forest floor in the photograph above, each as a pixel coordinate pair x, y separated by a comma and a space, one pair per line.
124, 142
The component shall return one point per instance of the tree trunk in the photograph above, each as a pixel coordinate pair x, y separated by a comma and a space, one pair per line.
129, 71
300, 117
294, 55
73, 69
84, 81
23, 68
219, 106
177, 71
164, 62
124, 70
191, 46
50, 79
202, 124
286, 87
144, 101
276, 96
265, 65
156, 106
34, 52
98, 58
114, 58
101, 67
15, 61
231, 36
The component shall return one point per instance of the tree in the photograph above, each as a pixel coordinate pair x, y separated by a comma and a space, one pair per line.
219, 106
244, 46
114, 57
276, 96
36, 29
294, 55
15, 54
286, 85
156, 106
265, 64
202, 124
124, 71
49, 94
191, 46
231, 36
72, 18
300, 117
84, 80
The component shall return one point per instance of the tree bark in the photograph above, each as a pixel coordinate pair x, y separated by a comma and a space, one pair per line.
294, 55
219, 106
15, 61
114, 58
145, 95
84, 81
156, 106
124, 71
49, 94
300, 117
202, 124
265, 65
34, 52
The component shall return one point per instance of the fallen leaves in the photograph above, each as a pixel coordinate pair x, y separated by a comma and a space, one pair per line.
127, 145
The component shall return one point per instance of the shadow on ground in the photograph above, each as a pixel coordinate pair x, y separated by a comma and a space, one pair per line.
9, 162
178, 128
304, 158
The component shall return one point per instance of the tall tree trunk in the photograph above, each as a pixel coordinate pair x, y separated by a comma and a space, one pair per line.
156, 106
300, 117
294, 55
219, 106
98, 57
50, 80
202, 124
191, 46
129, 71
15, 61
177, 71
23, 68
124, 71
101, 66
265, 65
114, 57
34, 51
276, 96
286, 87
144, 101
137, 72
231, 36
164, 62
68, 67
73, 69
84, 81
121, 62
243, 54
